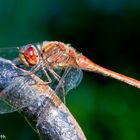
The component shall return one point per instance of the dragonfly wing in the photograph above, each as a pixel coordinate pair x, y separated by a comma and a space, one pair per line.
9, 53
71, 78
5, 107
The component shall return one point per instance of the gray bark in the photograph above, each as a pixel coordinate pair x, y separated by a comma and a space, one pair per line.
38, 103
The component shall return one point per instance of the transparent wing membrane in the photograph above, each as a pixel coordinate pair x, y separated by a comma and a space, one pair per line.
71, 78
5, 107
9, 53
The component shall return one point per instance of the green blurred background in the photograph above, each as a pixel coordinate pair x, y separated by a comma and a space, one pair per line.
107, 32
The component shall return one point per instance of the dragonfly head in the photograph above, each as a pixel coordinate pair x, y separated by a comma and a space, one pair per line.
29, 55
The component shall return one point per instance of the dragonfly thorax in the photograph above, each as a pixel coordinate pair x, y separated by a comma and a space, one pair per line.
29, 55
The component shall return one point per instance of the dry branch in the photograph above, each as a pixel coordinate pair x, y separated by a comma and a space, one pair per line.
49, 117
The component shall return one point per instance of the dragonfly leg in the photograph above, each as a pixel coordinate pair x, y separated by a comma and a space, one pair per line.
56, 76
63, 92
48, 77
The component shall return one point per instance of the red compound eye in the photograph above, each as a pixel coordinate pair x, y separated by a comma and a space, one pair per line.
31, 55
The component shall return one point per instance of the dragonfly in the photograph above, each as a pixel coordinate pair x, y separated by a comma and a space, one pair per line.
58, 55
61, 65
